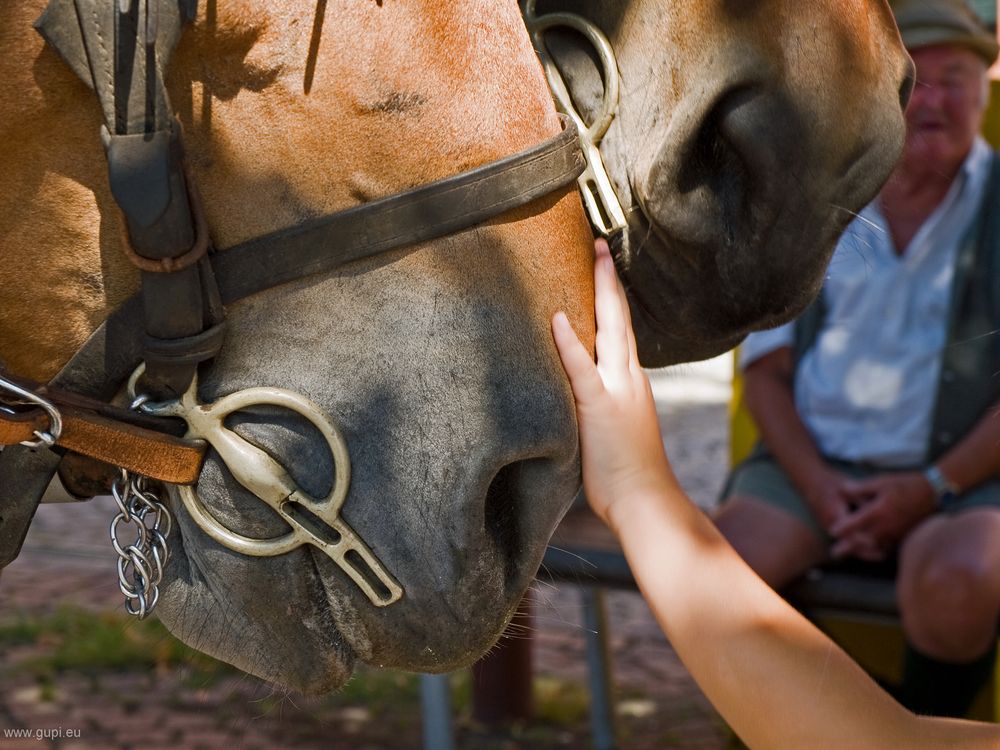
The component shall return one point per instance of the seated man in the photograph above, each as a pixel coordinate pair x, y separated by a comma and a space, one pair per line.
878, 408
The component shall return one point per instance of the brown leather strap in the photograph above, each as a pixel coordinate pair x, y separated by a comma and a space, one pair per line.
112, 435
21, 427
153, 454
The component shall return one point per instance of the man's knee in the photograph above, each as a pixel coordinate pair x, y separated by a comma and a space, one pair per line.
774, 543
949, 595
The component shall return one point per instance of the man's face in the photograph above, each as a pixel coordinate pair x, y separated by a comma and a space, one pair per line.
946, 110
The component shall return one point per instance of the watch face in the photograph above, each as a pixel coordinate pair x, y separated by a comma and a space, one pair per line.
943, 488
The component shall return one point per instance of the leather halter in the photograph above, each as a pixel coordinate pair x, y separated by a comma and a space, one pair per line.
184, 284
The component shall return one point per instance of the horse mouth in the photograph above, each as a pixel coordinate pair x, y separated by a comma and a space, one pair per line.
455, 495
298, 619
304, 648
450, 615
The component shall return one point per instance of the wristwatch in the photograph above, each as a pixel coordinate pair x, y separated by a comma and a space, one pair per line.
945, 490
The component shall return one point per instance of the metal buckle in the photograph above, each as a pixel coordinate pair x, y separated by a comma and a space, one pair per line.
314, 521
47, 437
599, 196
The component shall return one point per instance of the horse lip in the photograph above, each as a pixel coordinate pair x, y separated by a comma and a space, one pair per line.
649, 242
372, 633
184, 610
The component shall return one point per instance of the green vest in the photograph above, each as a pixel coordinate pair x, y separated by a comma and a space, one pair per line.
969, 381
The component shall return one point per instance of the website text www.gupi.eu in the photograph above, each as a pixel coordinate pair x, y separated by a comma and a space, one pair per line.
47, 733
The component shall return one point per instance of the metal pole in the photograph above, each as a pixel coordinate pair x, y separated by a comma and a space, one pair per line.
602, 707
435, 709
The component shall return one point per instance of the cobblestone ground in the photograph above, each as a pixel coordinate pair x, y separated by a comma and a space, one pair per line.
67, 562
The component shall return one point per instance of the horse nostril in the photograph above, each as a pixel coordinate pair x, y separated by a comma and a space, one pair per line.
501, 513
517, 513
722, 187
716, 160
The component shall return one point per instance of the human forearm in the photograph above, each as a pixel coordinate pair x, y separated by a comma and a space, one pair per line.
976, 457
779, 681
754, 656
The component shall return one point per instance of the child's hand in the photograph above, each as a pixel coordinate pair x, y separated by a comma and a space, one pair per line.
623, 458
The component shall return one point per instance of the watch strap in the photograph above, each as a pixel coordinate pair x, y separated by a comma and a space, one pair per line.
944, 488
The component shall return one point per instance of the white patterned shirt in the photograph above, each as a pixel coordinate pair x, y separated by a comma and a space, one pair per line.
867, 387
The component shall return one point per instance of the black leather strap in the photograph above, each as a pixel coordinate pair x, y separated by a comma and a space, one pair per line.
115, 349
430, 211
121, 50
189, 351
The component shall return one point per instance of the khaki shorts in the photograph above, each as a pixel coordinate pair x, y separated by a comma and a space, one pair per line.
762, 478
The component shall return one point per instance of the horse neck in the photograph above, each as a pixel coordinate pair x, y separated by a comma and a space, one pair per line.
288, 113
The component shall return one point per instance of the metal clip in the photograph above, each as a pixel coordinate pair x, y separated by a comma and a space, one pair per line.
314, 521
599, 196
45, 437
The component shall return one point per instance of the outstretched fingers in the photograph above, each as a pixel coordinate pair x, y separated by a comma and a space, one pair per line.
602, 249
580, 368
633, 350
610, 307
615, 346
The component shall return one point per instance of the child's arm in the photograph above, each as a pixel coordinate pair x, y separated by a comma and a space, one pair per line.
777, 680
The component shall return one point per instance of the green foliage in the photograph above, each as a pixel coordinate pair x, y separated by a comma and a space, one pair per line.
560, 702
75, 640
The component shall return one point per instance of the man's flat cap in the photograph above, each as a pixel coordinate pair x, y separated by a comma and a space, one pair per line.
923, 23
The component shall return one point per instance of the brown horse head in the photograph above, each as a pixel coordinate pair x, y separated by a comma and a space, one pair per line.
435, 360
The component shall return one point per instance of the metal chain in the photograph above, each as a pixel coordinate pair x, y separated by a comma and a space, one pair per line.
140, 564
